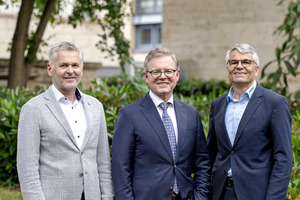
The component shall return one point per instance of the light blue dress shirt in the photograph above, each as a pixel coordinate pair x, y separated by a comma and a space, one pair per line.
234, 112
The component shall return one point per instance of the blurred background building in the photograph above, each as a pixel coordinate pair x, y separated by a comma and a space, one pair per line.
199, 32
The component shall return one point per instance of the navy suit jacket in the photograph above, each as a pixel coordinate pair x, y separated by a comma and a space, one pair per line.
142, 164
261, 156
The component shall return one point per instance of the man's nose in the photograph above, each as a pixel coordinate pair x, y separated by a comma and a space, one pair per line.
163, 75
70, 69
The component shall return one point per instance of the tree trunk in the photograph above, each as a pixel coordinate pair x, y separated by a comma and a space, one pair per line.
36, 40
17, 72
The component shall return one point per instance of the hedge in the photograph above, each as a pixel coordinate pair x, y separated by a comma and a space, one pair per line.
114, 93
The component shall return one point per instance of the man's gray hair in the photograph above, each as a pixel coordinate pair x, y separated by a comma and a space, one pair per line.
243, 49
157, 52
62, 46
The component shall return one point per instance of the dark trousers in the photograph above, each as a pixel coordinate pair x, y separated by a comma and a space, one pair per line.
82, 196
228, 193
176, 197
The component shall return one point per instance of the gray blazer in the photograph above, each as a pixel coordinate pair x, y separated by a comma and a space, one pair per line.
50, 164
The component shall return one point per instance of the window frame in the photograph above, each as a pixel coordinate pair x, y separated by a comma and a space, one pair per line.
154, 36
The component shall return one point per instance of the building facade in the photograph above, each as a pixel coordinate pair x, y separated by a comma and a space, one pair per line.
199, 32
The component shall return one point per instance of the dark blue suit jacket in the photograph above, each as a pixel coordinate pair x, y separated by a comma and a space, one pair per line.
142, 164
261, 156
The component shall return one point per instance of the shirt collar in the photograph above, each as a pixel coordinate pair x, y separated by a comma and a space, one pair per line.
58, 95
249, 92
156, 100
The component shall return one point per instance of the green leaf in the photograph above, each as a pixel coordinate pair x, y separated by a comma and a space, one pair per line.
278, 53
264, 69
276, 78
290, 68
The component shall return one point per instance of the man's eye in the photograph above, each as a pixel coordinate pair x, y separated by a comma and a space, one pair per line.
168, 71
233, 62
75, 66
246, 62
155, 72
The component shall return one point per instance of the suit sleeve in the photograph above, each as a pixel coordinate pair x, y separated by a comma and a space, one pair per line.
202, 165
123, 147
103, 161
28, 152
283, 154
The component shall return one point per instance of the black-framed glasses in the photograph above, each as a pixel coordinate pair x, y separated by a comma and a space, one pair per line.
169, 73
245, 63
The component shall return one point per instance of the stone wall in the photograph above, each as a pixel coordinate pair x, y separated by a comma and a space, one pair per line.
200, 32
39, 76
85, 36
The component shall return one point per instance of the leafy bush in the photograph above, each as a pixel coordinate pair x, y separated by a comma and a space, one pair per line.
294, 185
193, 86
11, 102
114, 93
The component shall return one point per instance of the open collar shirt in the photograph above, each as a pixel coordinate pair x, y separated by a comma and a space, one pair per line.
234, 112
74, 113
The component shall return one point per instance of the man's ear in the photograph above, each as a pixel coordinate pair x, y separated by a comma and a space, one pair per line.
49, 70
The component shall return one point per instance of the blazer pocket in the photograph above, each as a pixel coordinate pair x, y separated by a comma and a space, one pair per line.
256, 165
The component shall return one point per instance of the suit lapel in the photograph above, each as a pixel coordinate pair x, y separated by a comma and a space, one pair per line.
249, 111
150, 112
56, 110
89, 119
181, 116
221, 121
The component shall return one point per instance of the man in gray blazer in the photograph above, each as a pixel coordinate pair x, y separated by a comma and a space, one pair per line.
63, 151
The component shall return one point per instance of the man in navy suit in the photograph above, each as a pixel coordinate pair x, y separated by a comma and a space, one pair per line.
148, 163
249, 138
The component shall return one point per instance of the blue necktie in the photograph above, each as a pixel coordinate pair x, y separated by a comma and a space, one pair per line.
171, 135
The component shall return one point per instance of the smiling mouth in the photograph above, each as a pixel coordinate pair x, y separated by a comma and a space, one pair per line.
163, 83
240, 73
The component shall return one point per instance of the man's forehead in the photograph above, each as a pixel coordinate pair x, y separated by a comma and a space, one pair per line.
236, 53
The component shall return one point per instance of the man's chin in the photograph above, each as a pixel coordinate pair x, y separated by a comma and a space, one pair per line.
70, 86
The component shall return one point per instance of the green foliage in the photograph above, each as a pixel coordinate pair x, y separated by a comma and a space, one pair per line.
11, 102
193, 86
114, 93
109, 15
294, 185
288, 55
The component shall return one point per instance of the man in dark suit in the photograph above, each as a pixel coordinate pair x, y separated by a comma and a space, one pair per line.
159, 150
249, 138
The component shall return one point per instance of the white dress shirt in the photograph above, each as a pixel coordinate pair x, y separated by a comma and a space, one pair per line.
171, 111
74, 113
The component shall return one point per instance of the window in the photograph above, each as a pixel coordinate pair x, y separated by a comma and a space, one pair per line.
148, 36
148, 6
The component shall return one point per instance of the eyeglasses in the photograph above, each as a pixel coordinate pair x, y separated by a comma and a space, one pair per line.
245, 63
169, 73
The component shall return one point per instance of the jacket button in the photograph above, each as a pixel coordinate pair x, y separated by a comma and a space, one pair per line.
81, 174
171, 188
175, 166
